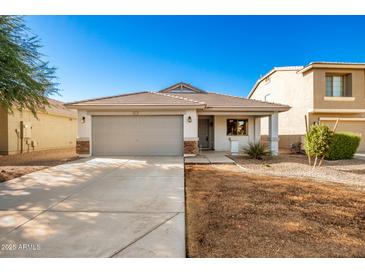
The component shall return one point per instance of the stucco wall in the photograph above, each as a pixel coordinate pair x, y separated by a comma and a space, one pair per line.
358, 89
289, 88
353, 123
3, 131
190, 129
221, 140
48, 132
83, 128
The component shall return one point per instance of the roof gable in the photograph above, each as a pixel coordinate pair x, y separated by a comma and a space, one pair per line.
182, 88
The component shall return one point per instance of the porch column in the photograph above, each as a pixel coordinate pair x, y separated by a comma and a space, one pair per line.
257, 124
274, 133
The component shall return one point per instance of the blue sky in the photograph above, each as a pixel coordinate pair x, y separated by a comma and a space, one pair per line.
107, 55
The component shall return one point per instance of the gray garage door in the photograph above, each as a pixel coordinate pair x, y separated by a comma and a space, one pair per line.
137, 135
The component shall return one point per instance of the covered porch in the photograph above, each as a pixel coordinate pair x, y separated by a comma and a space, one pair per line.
220, 131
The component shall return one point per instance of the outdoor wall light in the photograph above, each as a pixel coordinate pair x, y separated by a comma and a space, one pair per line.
83, 120
189, 119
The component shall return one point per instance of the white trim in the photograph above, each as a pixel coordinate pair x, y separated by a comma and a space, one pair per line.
189, 155
342, 98
329, 65
249, 108
187, 139
134, 107
324, 110
342, 119
227, 113
136, 113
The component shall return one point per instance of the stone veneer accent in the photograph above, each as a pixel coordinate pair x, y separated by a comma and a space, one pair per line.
191, 147
83, 146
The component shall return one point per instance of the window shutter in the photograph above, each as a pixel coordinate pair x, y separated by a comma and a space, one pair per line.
348, 85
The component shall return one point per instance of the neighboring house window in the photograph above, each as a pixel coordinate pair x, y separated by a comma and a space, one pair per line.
339, 85
237, 127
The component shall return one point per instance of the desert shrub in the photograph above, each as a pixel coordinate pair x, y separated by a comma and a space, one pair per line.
256, 150
318, 140
343, 146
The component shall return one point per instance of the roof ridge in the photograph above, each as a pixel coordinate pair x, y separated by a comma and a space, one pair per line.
105, 97
177, 97
248, 99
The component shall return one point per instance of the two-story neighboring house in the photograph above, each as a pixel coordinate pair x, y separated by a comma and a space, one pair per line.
323, 91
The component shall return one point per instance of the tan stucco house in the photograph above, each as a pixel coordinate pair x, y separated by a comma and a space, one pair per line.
54, 128
178, 120
323, 91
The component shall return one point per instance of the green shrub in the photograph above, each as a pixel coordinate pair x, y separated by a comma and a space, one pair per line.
344, 145
256, 150
318, 140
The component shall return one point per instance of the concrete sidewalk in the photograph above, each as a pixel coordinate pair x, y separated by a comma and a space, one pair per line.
96, 207
359, 156
209, 157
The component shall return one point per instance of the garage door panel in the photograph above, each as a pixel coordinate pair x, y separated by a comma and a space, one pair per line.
137, 135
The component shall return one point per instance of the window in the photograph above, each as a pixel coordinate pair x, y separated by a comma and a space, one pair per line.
237, 127
338, 85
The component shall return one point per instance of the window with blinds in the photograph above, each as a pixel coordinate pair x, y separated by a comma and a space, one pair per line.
339, 85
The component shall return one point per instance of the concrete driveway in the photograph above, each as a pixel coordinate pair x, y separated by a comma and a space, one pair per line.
96, 207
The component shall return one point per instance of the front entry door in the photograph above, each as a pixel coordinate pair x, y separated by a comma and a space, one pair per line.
203, 133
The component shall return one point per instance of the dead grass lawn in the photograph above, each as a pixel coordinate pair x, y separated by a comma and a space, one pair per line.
235, 214
12, 166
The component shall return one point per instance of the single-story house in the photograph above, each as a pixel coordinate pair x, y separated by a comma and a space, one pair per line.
55, 127
178, 120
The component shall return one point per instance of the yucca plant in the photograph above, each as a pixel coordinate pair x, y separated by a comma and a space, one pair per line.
256, 150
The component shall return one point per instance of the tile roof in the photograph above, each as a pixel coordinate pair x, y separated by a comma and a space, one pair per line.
138, 98
202, 99
58, 108
216, 100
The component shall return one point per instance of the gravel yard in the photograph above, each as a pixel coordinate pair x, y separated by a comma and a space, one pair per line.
351, 172
12, 166
232, 213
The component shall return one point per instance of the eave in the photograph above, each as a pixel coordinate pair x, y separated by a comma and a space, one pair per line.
248, 108
134, 107
333, 66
